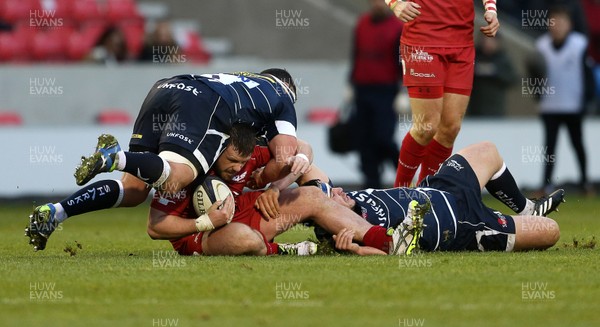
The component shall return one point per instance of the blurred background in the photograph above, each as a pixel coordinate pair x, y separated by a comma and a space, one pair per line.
73, 69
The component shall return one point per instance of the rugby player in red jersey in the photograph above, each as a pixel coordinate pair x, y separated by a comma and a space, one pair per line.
438, 54
254, 224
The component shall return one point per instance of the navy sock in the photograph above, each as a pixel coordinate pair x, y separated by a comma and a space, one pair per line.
96, 196
146, 166
503, 187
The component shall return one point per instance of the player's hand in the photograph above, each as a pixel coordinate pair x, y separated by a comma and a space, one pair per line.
221, 212
343, 241
299, 164
493, 24
256, 181
407, 11
268, 203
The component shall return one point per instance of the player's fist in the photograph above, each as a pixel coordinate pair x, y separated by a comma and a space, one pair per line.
406, 11
492, 24
299, 164
221, 212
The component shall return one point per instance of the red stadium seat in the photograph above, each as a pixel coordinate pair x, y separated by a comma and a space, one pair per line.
322, 115
13, 11
121, 10
48, 46
13, 48
134, 36
114, 117
10, 118
79, 44
193, 48
85, 11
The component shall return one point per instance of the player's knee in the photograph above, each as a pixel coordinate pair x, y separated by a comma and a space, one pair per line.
423, 133
448, 131
250, 242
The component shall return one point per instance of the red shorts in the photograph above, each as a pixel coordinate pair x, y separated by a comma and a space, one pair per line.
429, 72
245, 213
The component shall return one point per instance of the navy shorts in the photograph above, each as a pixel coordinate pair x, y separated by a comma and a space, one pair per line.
184, 116
479, 227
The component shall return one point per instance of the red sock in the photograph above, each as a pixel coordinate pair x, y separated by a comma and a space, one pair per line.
272, 248
435, 154
411, 156
377, 237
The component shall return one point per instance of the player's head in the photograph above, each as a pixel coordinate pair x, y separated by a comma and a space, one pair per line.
338, 195
560, 23
284, 76
239, 150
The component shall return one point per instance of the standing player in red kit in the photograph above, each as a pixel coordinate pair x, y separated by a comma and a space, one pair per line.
438, 55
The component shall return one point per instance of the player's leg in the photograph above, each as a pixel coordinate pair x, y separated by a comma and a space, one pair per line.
535, 233
551, 127
305, 203
574, 125
493, 174
234, 239
426, 115
440, 147
424, 76
366, 144
458, 83
103, 194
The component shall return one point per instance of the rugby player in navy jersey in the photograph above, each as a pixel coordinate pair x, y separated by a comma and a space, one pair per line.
456, 218
200, 111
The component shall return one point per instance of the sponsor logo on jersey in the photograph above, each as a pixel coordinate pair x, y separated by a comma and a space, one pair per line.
419, 74
454, 164
240, 177
181, 137
180, 86
416, 54
501, 219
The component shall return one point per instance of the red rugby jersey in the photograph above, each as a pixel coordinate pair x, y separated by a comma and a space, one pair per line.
448, 23
179, 204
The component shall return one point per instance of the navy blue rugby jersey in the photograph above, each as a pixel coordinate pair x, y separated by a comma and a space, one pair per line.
255, 99
388, 207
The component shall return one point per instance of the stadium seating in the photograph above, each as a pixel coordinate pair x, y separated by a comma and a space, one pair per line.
10, 118
112, 116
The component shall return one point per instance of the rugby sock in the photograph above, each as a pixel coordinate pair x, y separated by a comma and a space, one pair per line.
96, 196
147, 166
503, 187
377, 237
272, 248
411, 156
435, 154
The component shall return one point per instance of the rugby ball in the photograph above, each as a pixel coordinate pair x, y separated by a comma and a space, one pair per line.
213, 189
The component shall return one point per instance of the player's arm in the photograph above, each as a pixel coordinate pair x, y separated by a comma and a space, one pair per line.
405, 10
165, 226
491, 17
343, 241
268, 202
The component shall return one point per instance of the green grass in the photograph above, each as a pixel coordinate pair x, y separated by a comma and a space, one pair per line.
115, 279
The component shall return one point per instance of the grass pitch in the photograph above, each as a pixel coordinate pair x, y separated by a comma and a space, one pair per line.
101, 269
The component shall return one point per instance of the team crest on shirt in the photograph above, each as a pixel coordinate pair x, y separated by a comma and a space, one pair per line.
454, 164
